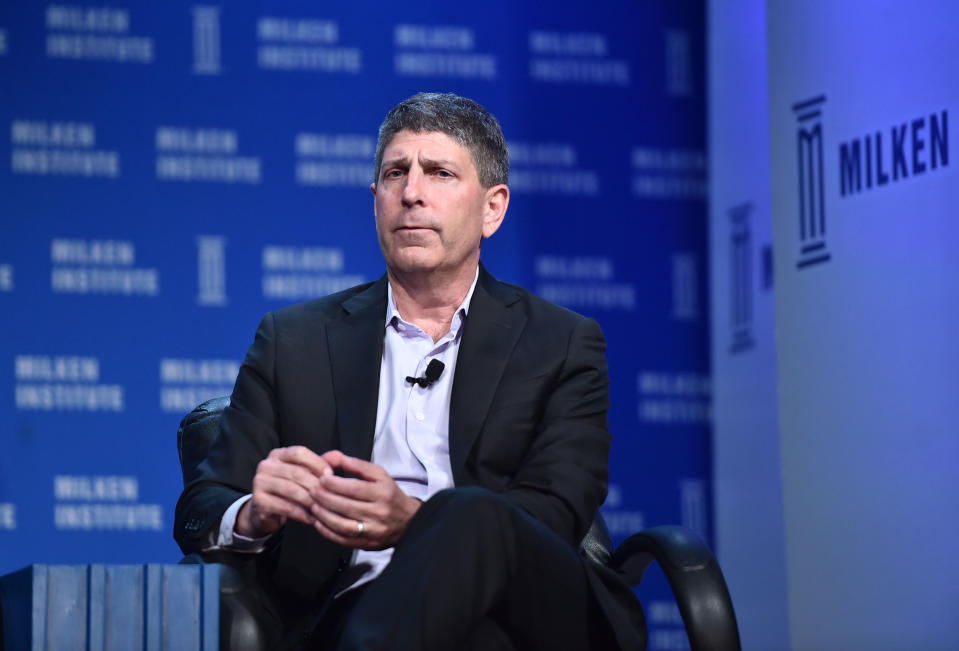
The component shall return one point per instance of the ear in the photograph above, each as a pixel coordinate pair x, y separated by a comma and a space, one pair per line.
373, 190
497, 200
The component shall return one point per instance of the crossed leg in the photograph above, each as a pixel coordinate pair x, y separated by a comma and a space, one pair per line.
473, 571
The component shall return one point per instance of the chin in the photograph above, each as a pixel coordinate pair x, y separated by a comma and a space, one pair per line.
414, 265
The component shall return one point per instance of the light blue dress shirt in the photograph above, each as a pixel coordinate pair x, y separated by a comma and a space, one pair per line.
411, 440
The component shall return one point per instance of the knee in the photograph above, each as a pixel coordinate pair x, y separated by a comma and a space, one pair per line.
473, 499
470, 507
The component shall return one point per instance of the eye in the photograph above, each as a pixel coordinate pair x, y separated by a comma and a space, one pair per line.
443, 174
393, 174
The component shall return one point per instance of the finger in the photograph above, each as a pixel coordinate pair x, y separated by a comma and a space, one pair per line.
343, 526
333, 457
267, 505
347, 508
354, 489
282, 489
303, 456
347, 513
279, 469
358, 467
353, 542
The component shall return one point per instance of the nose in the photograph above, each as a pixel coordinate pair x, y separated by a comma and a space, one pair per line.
412, 190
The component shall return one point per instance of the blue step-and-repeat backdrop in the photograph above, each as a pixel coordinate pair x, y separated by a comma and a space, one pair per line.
171, 172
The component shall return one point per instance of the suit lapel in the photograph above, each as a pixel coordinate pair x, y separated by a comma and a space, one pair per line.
356, 350
491, 331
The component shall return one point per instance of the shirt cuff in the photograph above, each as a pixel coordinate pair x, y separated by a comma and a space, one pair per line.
228, 538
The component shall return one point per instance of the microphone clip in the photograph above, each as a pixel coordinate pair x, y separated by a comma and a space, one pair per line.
433, 371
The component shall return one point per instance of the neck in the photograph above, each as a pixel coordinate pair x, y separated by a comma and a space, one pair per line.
429, 300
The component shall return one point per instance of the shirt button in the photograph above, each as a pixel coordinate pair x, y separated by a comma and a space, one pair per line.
420, 415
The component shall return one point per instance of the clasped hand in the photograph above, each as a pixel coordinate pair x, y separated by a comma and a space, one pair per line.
296, 483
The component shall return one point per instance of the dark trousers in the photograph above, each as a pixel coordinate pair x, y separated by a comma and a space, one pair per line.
471, 572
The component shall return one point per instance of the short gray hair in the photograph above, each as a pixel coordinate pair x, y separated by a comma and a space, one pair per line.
461, 119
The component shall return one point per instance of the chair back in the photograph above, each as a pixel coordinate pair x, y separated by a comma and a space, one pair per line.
196, 434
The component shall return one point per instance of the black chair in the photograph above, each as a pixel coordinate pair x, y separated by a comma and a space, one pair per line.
693, 574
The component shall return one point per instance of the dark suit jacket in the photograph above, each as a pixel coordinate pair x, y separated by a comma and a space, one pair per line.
527, 416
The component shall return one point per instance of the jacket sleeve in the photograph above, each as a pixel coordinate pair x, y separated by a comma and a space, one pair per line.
563, 475
248, 432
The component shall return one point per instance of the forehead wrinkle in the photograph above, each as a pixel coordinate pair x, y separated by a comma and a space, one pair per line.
422, 149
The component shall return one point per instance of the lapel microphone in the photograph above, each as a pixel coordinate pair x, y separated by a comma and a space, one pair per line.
433, 371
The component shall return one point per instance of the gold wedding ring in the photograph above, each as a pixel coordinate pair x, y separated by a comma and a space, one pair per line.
360, 528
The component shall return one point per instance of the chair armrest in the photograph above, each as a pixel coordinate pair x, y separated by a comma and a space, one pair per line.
597, 544
695, 578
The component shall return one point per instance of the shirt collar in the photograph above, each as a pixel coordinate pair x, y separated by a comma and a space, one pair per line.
461, 311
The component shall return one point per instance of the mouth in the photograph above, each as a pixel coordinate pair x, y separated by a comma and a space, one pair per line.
413, 229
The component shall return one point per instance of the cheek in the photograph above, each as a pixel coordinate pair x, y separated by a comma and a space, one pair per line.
470, 223
381, 234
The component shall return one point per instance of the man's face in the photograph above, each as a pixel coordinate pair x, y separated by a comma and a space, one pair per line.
431, 210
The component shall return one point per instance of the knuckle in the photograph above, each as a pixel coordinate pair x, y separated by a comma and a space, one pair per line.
267, 466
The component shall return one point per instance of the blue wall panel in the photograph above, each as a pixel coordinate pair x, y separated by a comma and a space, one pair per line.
169, 173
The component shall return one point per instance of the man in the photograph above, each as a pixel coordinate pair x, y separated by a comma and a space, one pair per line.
417, 458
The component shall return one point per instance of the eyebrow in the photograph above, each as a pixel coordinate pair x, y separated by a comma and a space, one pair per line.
426, 163
430, 163
396, 162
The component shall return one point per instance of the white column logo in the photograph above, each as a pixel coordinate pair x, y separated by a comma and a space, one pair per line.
6, 277
693, 498
741, 277
679, 64
211, 270
206, 41
812, 204
685, 290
